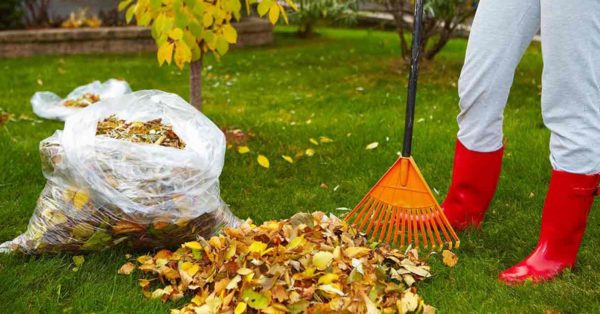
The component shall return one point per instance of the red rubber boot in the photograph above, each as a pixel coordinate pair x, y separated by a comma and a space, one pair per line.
570, 197
474, 181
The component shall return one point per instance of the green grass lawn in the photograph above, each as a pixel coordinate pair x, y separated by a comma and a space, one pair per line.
347, 85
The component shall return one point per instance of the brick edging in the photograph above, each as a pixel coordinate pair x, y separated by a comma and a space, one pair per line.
22, 43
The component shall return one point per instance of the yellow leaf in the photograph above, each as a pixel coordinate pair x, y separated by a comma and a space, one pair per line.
78, 260
194, 245
287, 158
165, 53
244, 271
327, 279
313, 141
233, 283
257, 247
127, 268
372, 146
263, 7
183, 54
240, 308
296, 242
332, 289
189, 268
325, 139
450, 259
207, 20
274, 13
309, 152
322, 259
80, 199
263, 161
230, 34
243, 149
176, 34
356, 251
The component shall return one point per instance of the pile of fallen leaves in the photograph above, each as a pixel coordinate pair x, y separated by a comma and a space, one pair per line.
149, 132
306, 264
83, 101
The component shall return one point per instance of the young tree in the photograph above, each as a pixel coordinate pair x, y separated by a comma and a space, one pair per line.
441, 20
186, 30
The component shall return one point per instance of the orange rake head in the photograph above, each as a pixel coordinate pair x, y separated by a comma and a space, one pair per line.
401, 207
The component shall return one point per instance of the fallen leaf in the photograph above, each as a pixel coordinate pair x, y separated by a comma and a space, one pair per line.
372, 146
313, 141
263, 161
255, 300
78, 260
287, 158
325, 139
194, 245
240, 308
322, 259
243, 149
309, 152
450, 259
127, 268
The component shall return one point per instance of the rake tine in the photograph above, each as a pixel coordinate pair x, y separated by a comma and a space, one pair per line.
402, 213
391, 224
443, 228
369, 214
409, 236
422, 226
432, 226
375, 217
397, 222
415, 227
435, 228
428, 227
384, 223
454, 235
364, 205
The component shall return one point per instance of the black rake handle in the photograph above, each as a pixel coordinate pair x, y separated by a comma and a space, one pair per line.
412, 79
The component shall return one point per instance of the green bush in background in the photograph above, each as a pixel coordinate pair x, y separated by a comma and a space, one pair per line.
11, 14
315, 11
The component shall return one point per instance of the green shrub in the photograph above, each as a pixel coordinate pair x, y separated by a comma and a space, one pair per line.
11, 14
314, 11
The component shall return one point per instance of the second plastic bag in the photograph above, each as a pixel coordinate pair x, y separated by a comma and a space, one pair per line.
48, 105
141, 169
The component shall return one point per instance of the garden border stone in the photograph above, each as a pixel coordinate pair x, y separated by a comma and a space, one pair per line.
252, 31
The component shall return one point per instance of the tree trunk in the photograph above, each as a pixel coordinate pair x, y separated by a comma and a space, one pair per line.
196, 84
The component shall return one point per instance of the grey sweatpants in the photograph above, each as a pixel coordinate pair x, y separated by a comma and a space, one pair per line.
501, 32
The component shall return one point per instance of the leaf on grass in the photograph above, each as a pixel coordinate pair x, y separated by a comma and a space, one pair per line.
325, 139
372, 146
127, 268
243, 149
287, 158
313, 141
450, 259
263, 161
78, 260
309, 152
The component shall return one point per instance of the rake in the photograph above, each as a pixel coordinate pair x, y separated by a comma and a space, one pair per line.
400, 207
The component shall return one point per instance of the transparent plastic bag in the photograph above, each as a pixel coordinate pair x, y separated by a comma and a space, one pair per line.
103, 191
48, 105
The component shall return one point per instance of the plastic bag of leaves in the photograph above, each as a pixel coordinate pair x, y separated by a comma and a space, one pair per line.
48, 105
141, 170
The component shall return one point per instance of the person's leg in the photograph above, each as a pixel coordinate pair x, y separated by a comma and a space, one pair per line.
500, 33
571, 111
